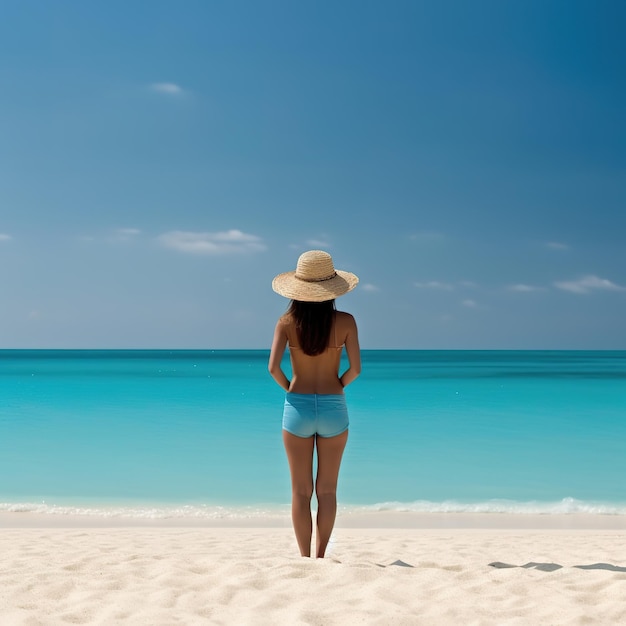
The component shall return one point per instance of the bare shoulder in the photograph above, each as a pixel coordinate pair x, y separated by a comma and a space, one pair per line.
344, 315
283, 323
345, 320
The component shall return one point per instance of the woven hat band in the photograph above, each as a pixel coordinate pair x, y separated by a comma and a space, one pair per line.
316, 280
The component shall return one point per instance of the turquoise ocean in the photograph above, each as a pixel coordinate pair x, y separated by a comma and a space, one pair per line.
180, 433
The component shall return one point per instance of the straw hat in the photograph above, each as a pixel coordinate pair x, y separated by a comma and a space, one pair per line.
314, 279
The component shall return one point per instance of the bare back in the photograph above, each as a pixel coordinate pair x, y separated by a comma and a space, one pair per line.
320, 373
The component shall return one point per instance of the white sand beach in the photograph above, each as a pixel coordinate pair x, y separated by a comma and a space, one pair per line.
546, 570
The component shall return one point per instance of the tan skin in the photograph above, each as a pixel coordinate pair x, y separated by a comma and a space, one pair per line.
315, 374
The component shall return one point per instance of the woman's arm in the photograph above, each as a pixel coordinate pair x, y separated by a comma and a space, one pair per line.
354, 354
276, 356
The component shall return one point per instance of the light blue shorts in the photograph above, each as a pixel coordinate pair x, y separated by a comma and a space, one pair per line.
308, 414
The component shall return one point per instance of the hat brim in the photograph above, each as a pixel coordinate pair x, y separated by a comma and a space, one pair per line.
288, 286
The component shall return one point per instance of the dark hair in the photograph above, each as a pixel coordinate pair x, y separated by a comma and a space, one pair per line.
313, 322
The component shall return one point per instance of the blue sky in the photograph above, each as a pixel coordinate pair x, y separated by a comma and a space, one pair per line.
160, 162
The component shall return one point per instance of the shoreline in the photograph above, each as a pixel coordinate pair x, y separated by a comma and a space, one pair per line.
374, 520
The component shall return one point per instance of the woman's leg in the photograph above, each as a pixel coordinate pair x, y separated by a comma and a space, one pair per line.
300, 456
329, 453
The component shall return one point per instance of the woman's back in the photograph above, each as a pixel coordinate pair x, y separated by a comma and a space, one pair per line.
319, 373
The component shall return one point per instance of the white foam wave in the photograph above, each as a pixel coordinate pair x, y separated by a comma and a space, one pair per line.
566, 506
147, 512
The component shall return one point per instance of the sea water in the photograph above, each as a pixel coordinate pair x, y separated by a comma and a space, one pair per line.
158, 433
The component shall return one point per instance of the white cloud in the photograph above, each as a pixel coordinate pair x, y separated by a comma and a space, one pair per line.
124, 235
228, 242
318, 243
470, 304
369, 287
443, 286
4, 237
523, 288
171, 89
128, 232
588, 284
434, 284
556, 245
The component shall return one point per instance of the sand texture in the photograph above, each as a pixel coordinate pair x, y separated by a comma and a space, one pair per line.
254, 576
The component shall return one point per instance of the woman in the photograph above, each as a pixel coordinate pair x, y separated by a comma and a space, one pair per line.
315, 414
